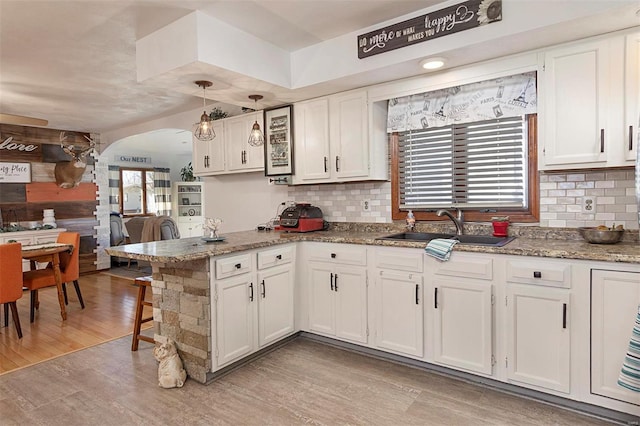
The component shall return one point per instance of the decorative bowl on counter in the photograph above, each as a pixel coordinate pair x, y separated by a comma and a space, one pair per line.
601, 236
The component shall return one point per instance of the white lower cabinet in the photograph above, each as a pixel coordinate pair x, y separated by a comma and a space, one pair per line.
538, 336
338, 301
615, 297
252, 309
235, 318
463, 325
462, 307
275, 304
337, 291
399, 312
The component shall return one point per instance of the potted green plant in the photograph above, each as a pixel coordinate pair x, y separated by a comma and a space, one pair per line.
186, 173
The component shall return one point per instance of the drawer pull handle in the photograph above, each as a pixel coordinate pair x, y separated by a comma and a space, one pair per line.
238, 265
279, 257
564, 315
333, 255
435, 298
537, 274
264, 289
251, 294
417, 294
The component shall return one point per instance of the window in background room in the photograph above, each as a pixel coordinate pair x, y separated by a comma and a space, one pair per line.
137, 194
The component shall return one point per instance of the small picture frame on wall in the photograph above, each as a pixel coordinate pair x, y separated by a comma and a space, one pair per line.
278, 141
185, 201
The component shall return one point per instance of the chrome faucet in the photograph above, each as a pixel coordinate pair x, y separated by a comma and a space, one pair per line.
458, 222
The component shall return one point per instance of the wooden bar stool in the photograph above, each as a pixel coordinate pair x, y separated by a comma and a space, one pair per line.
142, 283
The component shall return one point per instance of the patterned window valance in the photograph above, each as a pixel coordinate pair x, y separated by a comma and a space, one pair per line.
490, 99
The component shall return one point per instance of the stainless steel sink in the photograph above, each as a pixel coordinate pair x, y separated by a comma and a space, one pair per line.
414, 236
480, 240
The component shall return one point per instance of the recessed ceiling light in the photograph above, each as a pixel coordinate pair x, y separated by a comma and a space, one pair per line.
432, 63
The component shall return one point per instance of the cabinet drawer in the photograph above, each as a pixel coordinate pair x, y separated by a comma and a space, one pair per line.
339, 253
400, 259
467, 267
540, 273
277, 256
232, 266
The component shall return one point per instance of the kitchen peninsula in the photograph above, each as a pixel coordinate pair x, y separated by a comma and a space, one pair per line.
555, 266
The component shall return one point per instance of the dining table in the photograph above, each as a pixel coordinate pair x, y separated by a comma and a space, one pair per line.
49, 253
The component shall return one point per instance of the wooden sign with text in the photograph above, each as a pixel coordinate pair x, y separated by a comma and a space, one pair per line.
15, 172
450, 20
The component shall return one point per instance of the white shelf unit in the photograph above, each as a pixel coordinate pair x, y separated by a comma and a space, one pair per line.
189, 211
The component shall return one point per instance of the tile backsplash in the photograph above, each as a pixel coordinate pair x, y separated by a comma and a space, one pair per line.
345, 202
562, 196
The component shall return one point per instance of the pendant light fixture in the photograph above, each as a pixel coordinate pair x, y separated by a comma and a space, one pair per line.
203, 130
256, 138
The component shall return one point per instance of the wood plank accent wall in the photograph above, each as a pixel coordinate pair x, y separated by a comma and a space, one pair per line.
75, 208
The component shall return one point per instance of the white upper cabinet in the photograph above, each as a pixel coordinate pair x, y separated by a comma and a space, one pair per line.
333, 141
311, 141
208, 157
239, 154
229, 152
588, 103
632, 95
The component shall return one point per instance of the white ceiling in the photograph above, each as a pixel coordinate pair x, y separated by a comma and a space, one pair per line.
73, 63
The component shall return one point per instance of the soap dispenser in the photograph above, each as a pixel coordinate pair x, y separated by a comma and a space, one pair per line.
411, 221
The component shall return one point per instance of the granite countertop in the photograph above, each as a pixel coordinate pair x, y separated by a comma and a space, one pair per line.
549, 245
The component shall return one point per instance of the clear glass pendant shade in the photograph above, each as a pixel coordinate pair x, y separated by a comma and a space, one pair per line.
256, 138
203, 131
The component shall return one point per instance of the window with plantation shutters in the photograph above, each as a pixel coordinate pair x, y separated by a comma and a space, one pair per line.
480, 165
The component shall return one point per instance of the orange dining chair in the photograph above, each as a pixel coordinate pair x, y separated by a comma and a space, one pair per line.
69, 271
11, 281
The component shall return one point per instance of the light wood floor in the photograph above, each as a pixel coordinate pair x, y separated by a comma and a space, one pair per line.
108, 314
303, 382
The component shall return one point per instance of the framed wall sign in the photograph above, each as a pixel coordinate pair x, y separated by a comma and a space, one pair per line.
15, 172
278, 141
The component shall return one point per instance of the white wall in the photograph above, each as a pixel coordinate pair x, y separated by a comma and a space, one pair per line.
242, 201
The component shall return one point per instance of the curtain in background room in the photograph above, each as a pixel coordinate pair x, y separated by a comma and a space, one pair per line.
502, 97
114, 188
162, 190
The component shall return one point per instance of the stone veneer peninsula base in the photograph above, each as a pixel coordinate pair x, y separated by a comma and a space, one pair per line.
182, 312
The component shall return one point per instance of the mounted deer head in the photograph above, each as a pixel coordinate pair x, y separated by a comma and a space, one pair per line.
68, 174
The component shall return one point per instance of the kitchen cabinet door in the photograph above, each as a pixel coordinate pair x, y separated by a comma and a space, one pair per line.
240, 156
538, 336
615, 297
322, 318
350, 292
463, 328
349, 135
632, 95
311, 128
275, 303
400, 313
235, 318
208, 157
576, 98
